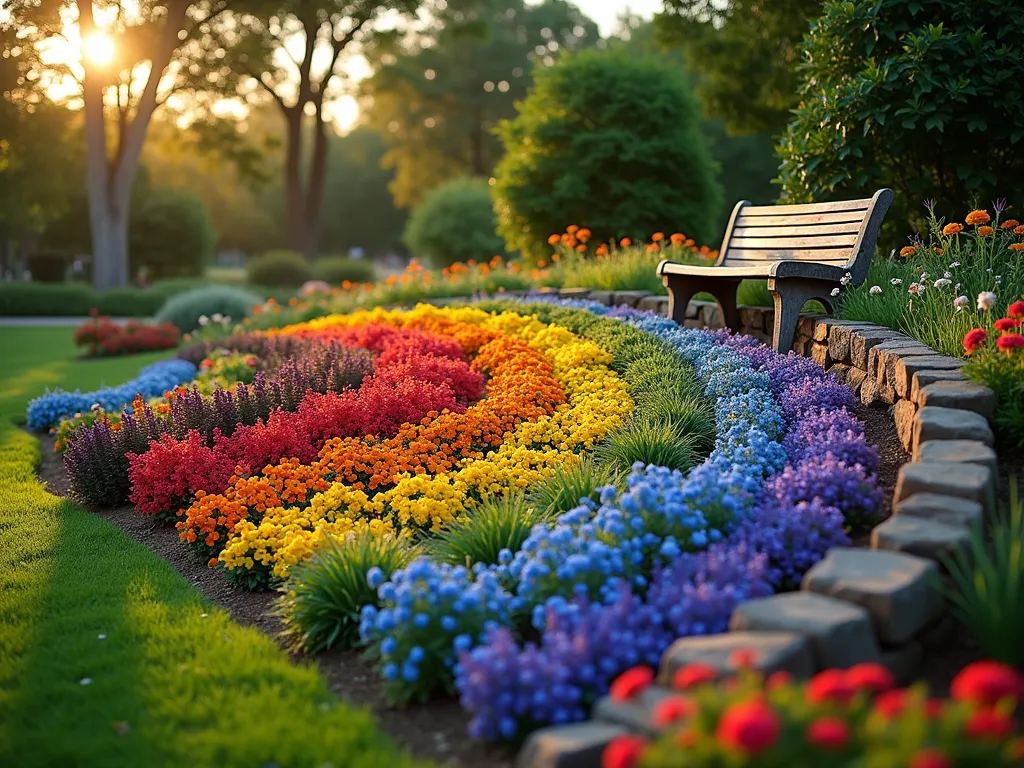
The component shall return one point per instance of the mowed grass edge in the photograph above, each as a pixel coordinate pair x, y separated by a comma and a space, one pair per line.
107, 655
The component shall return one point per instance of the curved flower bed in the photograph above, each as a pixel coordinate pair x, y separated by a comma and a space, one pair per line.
431, 414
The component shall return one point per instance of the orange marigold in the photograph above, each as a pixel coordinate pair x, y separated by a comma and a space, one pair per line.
908, 250
978, 217
554, 239
1010, 224
1016, 246
625, 242
677, 238
657, 237
952, 228
985, 231
1019, 230
581, 248
571, 229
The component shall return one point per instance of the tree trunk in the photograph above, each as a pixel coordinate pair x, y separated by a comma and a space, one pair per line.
109, 238
294, 202
315, 192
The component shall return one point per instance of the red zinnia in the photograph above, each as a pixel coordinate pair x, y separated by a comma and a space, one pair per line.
694, 674
933, 708
1016, 309
1010, 341
631, 683
828, 733
891, 703
744, 658
986, 683
778, 679
623, 752
830, 685
672, 710
873, 678
750, 726
930, 758
974, 339
1007, 323
988, 724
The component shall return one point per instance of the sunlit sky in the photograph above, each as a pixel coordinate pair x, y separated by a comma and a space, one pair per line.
344, 111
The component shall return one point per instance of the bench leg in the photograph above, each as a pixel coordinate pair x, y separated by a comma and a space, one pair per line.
790, 295
682, 288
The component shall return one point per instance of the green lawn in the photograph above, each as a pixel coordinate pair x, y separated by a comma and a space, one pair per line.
107, 656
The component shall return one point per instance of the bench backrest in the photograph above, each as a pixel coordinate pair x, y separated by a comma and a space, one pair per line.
842, 234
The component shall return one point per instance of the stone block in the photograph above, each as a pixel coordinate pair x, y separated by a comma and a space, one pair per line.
774, 651
576, 745
752, 318
919, 536
935, 423
840, 338
924, 378
824, 326
574, 293
840, 633
882, 357
840, 370
903, 415
887, 393
904, 661
802, 347
693, 309
629, 298
819, 353
863, 341
869, 391
905, 368
964, 395
951, 510
656, 304
805, 324
710, 316
958, 452
897, 590
635, 715
855, 378
966, 481
602, 297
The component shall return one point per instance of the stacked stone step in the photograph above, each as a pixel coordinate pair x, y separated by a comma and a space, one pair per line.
855, 606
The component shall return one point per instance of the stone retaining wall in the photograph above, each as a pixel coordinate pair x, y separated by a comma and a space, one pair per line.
857, 604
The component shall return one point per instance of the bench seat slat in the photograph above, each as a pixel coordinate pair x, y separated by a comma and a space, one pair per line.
799, 219
776, 210
774, 254
782, 243
756, 230
757, 269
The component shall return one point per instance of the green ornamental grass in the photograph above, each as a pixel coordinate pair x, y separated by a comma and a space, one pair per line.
564, 489
324, 595
987, 591
648, 441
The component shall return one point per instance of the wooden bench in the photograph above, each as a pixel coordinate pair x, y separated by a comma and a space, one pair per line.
803, 250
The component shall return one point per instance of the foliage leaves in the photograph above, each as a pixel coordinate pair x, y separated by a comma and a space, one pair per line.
454, 223
608, 142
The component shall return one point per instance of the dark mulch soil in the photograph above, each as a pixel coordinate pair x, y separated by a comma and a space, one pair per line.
435, 731
438, 730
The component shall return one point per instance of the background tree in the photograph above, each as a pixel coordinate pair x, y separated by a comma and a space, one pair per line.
255, 52
891, 98
130, 65
610, 142
437, 96
363, 214
744, 55
455, 222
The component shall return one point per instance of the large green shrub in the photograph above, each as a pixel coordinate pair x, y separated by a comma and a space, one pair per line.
277, 269
170, 234
337, 269
129, 302
455, 222
184, 310
609, 142
919, 95
43, 299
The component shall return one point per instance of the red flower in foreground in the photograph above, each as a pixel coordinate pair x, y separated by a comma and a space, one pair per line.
1007, 323
672, 710
778, 679
830, 685
974, 339
623, 752
1016, 309
631, 683
749, 726
1009, 342
828, 733
986, 683
930, 758
744, 658
694, 674
933, 708
989, 724
891, 703
873, 678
